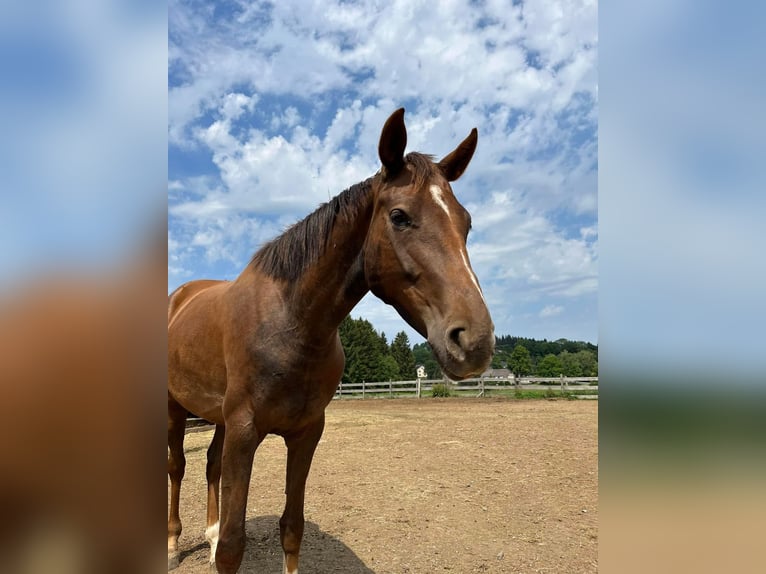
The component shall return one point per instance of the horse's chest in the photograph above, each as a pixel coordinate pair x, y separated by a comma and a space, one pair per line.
292, 395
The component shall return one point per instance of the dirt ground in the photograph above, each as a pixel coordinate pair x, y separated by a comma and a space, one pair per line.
429, 485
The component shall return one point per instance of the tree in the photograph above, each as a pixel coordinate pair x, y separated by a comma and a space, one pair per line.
588, 363
520, 362
383, 343
500, 360
402, 354
539, 348
369, 357
347, 332
366, 353
549, 366
570, 365
388, 370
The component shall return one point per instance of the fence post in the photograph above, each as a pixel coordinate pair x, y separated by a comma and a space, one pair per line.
363, 386
340, 390
515, 380
561, 378
418, 387
390, 389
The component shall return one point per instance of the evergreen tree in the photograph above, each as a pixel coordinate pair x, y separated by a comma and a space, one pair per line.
347, 335
388, 370
368, 357
403, 355
383, 344
362, 347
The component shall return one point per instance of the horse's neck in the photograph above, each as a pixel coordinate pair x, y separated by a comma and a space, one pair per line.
316, 303
333, 286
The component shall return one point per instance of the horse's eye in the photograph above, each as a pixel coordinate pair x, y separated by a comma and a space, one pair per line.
400, 219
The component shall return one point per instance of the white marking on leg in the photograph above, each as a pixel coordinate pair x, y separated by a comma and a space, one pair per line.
211, 535
173, 554
436, 193
472, 275
284, 566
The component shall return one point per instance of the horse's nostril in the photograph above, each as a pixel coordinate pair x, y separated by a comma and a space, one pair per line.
454, 336
455, 339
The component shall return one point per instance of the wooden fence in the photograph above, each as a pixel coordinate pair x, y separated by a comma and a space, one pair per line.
479, 385
420, 386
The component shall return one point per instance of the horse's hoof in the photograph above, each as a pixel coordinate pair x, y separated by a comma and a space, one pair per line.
173, 561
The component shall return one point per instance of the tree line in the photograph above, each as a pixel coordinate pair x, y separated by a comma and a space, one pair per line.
370, 357
583, 363
543, 358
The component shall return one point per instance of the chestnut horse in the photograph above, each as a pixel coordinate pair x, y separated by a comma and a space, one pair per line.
261, 354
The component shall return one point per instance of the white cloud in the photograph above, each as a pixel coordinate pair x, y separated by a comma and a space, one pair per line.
527, 254
551, 311
235, 104
408, 49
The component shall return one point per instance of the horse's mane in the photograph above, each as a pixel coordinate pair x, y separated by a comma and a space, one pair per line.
290, 254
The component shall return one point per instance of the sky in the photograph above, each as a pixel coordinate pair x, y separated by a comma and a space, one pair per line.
273, 108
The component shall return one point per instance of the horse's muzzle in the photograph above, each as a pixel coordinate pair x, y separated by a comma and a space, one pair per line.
464, 350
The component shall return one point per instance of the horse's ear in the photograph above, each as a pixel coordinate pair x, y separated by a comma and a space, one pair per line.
454, 164
393, 140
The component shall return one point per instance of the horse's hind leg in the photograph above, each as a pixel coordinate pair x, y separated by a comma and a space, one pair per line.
214, 452
176, 468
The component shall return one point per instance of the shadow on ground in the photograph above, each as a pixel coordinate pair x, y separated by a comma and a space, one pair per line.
320, 552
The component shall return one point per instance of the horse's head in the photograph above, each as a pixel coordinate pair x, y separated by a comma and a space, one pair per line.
415, 256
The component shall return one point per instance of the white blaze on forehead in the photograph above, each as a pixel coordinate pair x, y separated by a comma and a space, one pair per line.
436, 193
472, 275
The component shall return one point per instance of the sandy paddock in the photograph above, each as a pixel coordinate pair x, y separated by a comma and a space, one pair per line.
429, 485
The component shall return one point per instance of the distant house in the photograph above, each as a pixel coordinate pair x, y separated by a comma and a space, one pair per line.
421, 372
497, 374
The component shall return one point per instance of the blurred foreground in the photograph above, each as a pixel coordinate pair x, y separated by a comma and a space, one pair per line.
82, 368
682, 475
83, 166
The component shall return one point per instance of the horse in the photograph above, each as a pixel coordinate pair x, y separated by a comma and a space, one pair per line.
261, 354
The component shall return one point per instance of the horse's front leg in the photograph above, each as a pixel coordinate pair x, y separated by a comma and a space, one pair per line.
300, 452
213, 473
239, 444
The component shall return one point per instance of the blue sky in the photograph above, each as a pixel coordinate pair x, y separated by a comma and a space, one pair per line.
275, 108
